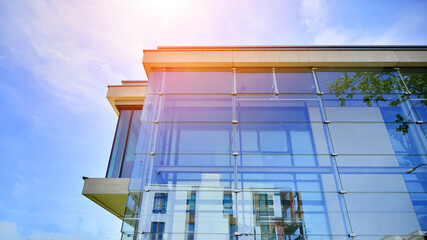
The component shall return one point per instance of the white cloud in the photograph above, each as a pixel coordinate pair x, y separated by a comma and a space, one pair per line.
319, 18
73, 52
314, 13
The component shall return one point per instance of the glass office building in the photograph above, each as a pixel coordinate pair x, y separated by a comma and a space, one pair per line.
257, 152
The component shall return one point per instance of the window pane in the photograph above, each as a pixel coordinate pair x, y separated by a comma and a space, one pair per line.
282, 108
192, 170
394, 138
344, 82
206, 108
419, 105
175, 138
291, 80
131, 143
371, 213
198, 82
277, 213
289, 138
119, 144
254, 80
416, 80
362, 108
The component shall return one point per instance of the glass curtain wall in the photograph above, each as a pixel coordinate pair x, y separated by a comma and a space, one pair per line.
280, 153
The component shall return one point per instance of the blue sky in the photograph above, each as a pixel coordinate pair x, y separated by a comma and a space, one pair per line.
57, 57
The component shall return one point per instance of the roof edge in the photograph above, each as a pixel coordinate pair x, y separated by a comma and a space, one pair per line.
288, 48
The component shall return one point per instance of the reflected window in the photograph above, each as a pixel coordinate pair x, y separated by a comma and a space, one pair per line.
268, 232
191, 215
264, 205
190, 231
228, 203
160, 203
191, 202
157, 230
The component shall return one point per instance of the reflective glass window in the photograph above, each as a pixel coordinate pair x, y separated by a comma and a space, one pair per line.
123, 150
370, 213
419, 106
154, 82
160, 203
416, 80
286, 213
131, 144
208, 217
254, 80
198, 82
119, 143
196, 108
395, 138
281, 138
359, 108
346, 82
282, 108
157, 230
180, 138
295, 80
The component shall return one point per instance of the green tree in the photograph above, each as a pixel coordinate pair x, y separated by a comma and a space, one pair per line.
375, 85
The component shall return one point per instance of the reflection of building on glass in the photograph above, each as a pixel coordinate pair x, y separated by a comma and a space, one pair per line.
191, 212
254, 143
278, 215
157, 230
160, 202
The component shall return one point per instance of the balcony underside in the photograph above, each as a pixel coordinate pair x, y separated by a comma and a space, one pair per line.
109, 193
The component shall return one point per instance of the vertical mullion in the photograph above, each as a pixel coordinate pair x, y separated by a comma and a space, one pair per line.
276, 91
403, 81
331, 148
233, 95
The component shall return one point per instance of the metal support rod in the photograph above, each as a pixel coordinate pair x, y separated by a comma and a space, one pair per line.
276, 91
331, 149
313, 70
403, 81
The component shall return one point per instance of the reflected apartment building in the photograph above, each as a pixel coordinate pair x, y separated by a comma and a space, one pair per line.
255, 143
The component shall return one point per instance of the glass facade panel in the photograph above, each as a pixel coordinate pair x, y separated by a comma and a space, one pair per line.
419, 106
198, 82
255, 80
131, 144
346, 82
196, 108
281, 138
358, 108
190, 170
415, 80
396, 138
281, 108
181, 138
297, 80
204, 212
277, 213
